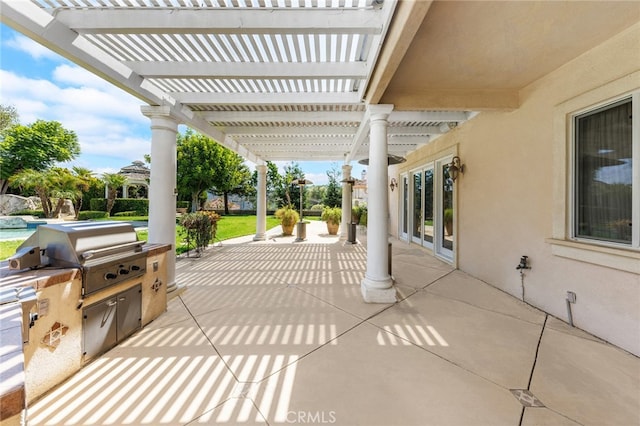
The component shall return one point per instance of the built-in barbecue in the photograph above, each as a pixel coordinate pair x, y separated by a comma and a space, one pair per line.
106, 252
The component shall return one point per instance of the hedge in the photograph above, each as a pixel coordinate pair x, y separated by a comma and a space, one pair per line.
35, 213
92, 214
138, 205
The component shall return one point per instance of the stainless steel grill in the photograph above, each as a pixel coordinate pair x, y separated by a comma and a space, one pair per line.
107, 252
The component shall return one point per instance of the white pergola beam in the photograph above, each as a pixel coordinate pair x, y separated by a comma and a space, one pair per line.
359, 138
314, 143
283, 116
288, 98
331, 131
260, 70
222, 21
427, 116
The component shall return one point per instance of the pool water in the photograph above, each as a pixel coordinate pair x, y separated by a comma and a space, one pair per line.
16, 234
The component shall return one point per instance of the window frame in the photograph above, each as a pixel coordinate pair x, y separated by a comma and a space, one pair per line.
561, 240
634, 97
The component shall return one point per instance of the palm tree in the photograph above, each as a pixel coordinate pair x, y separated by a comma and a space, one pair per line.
113, 182
83, 177
39, 182
64, 186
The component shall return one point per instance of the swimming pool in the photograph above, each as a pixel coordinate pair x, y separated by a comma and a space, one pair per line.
16, 234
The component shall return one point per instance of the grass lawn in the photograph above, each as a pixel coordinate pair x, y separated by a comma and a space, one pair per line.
228, 227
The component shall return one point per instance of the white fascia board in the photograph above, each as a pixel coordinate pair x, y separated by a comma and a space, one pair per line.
222, 21
286, 98
212, 70
283, 116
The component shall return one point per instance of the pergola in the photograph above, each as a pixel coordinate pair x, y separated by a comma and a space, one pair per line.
337, 80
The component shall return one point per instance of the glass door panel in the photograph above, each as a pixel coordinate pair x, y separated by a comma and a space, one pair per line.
405, 206
416, 234
428, 208
446, 228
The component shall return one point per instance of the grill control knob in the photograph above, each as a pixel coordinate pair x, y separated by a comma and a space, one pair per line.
110, 276
123, 271
135, 268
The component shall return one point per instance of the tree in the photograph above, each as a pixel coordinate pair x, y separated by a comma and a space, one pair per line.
333, 194
285, 193
232, 177
8, 117
84, 178
56, 183
37, 147
199, 159
113, 181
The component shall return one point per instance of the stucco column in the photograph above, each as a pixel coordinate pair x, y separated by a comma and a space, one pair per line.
377, 286
162, 188
261, 207
346, 202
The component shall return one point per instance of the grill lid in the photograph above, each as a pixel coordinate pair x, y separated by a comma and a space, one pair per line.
73, 243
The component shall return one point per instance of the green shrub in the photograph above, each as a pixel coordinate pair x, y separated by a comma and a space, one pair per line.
332, 215
35, 213
287, 216
317, 207
183, 204
201, 228
92, 214
363, 216
130, 213
98, 204
139, 205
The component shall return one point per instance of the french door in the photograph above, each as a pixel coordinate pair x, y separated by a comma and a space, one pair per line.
427, 208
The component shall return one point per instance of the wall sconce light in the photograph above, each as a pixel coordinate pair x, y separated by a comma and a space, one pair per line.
394, 184
455, 168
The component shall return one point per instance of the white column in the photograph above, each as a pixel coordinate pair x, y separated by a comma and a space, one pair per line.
261, 204
162, 188
377, 286
346, 202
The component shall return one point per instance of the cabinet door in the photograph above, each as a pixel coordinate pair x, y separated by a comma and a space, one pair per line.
129, 311
99, 327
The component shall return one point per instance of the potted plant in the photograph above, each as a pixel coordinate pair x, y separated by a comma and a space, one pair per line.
333, 216
448, 221
288, 218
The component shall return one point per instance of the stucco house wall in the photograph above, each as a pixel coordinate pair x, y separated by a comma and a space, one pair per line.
512, 198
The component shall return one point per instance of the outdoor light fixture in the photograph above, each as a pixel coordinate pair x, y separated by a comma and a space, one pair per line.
393, 184
301, 183
455, 168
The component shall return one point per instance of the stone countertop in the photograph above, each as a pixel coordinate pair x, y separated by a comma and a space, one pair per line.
48, 276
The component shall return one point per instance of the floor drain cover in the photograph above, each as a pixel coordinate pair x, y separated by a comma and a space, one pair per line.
526, 398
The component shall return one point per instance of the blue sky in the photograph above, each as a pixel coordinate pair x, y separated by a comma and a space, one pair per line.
111, 129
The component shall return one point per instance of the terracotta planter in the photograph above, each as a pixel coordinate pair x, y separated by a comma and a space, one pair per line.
332, 228
288, 229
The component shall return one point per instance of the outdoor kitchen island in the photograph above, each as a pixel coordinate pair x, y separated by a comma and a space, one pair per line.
67, 315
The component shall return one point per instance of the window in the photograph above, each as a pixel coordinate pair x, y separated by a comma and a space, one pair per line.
604, 174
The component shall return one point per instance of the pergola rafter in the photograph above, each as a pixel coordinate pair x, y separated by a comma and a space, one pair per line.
270, 79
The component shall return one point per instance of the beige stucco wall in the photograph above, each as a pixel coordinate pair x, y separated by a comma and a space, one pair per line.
506, 202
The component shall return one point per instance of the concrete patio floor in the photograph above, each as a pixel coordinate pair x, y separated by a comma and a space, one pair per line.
276, 332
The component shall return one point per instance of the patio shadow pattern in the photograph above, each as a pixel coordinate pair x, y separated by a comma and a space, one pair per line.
276, 332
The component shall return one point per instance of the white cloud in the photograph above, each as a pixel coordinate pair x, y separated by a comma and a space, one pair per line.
107, 121
33, 49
